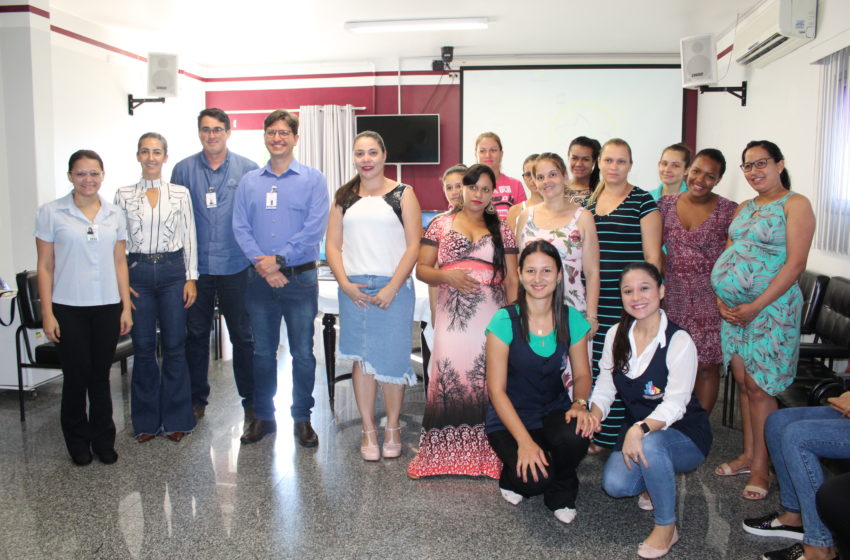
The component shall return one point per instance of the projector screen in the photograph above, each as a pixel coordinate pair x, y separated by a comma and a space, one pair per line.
541, 109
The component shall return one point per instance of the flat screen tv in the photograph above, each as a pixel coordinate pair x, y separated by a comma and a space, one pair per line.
410, 139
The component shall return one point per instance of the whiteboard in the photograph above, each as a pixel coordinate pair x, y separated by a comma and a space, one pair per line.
542, 109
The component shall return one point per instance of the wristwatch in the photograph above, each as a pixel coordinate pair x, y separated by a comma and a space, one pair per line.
582, 402
643, 426
281, 262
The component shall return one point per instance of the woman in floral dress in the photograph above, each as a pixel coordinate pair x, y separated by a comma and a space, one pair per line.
472, 257
696, 224
755, 280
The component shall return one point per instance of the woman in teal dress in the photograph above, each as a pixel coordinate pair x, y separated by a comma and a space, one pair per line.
755, 280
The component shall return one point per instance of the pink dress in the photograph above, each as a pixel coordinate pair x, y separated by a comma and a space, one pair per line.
453, 440
690, 301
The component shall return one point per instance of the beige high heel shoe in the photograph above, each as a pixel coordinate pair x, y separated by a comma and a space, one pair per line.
392, 449
370, 452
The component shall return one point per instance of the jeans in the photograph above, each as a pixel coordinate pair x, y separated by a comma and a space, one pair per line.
231, 296
159, 400
667, 452
88, 336
797, 438
298, 304
564, 448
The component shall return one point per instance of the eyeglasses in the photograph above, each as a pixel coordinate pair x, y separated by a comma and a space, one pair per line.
207, 130
758, 164
84, 174
282, 133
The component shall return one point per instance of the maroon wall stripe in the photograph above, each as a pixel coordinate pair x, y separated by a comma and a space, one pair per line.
18, 8
96, 43
724, 52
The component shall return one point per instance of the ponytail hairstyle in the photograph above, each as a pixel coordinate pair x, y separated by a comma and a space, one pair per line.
714, 155
347, 194
559, 313
595, 150
457, 168
622, 350
594, 196
775, 154
492, 221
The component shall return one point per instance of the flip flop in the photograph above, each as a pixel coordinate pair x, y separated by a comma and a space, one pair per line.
760, 493
726, 470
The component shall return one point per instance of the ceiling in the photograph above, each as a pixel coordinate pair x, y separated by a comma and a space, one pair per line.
212, 33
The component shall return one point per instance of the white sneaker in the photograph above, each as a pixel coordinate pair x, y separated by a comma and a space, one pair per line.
511, 497
565, 515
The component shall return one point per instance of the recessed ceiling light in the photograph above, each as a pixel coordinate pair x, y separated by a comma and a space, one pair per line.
434, 24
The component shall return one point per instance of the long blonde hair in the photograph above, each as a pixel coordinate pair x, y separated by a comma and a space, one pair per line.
594, 196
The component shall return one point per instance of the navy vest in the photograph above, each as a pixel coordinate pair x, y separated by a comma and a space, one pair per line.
534, 385
642, 394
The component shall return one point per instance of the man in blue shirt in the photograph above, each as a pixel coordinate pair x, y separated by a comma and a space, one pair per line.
279, 218
212, 177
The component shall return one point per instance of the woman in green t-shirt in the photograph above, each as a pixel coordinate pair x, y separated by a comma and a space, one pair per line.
537, 421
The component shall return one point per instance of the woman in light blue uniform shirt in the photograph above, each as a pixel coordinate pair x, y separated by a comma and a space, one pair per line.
85, 303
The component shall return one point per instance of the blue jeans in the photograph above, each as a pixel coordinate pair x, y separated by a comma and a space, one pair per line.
668, 452
797, 438
230, 289
298, 304
159, 401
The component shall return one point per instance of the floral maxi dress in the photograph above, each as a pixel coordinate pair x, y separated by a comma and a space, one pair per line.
770, 343
453, 440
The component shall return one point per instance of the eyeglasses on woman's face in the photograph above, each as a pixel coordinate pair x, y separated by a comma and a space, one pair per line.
758, 164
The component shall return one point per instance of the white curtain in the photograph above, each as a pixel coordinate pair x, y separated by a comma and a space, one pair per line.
833, 170
326, 140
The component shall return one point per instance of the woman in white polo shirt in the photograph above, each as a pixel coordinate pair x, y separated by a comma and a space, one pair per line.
85, 302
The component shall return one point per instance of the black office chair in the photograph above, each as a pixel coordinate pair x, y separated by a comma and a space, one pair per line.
813, 285
46, 355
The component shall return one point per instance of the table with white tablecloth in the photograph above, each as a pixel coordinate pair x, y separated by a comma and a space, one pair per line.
329, 307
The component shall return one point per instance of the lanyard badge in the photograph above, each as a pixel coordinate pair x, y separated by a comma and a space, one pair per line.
212, 202
92, 233
271, 198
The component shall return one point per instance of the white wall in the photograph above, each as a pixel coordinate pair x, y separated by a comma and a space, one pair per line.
90, 109
782, 106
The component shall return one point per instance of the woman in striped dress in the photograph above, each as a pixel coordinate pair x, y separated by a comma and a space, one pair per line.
628, 225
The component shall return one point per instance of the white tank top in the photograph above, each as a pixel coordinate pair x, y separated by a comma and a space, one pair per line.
372, 234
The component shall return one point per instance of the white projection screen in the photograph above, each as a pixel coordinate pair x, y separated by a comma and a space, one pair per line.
540, 109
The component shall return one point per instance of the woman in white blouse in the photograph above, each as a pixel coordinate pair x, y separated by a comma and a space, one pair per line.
85, 303
163, 264
652, 364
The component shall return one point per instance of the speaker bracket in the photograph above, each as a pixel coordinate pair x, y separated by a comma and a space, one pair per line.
738, 91
133, 103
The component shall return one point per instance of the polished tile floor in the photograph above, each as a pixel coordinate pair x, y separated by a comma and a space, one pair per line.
209, 497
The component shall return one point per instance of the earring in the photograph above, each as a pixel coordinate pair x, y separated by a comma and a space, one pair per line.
490, 208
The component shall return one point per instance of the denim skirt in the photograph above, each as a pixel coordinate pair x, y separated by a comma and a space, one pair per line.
380, 339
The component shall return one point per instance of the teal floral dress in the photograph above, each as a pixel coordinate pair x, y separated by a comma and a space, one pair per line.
770, 343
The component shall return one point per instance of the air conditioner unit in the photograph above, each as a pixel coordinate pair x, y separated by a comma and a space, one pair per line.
773, 30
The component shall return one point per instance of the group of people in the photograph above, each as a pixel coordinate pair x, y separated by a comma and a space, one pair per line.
555, 335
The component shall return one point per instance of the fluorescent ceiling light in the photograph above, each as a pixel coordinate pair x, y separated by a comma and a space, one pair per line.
435, 24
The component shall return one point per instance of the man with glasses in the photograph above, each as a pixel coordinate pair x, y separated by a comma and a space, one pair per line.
212, 176
279, 218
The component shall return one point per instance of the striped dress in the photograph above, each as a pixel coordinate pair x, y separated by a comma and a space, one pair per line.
619, 244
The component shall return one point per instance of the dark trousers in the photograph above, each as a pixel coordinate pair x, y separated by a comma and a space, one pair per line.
231, 296
161, 397
564, 449
831, 500
88, 336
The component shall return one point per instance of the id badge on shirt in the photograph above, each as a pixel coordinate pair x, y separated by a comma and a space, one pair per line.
271, 199
212, 201
92, 232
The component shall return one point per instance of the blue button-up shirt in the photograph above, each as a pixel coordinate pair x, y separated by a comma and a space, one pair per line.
84, 263
218, 252
294, 228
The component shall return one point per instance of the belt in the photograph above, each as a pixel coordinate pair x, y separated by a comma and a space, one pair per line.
297, 269
156, 257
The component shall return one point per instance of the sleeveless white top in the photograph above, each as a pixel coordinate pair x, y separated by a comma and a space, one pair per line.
372, 234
